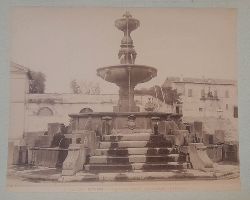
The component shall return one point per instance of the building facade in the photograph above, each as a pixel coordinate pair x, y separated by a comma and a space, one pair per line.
19, 87
211, 101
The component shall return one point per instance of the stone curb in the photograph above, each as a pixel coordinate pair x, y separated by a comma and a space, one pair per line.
138, 176
39, 177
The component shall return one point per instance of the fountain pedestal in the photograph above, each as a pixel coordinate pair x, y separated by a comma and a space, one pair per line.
126, 100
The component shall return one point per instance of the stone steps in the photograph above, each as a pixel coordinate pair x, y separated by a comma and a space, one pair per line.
130, 137
136, 137
134, 151
133, 159
135, 166
134, 144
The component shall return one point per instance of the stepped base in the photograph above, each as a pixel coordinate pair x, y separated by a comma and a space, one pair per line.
133, 159
135, 144
134, 151
136, 166
138, 151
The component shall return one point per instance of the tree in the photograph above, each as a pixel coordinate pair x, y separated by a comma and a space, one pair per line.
85, 87
37, 82
165, 94
89, 87
171, 96
75, 88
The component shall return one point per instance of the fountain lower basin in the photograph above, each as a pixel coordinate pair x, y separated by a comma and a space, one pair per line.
117, 121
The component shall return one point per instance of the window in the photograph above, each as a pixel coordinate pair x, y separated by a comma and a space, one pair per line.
235, 111
215, 93
200, 109
177, 109
190, 93
202, 93
227, 94
210, 139
45, 111
226, 106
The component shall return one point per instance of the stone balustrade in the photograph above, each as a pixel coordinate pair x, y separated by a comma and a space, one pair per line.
46, 157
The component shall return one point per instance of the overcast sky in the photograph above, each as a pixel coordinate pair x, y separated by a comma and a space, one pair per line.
71, 43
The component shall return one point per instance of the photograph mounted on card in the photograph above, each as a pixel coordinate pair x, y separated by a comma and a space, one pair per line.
143, 97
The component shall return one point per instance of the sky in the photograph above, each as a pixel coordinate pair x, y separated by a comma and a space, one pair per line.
67, 43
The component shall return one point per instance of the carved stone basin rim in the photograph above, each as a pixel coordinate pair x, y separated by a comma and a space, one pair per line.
119, 73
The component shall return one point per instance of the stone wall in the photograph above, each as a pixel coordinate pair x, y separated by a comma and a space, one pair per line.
59, 106
231, 152
215, 152
56, 107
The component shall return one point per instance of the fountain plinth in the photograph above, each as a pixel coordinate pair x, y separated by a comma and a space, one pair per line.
127, 74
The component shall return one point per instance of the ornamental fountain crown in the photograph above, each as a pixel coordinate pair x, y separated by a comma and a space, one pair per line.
127, 24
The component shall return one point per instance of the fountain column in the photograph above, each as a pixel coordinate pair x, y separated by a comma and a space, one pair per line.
127, 56
126, 101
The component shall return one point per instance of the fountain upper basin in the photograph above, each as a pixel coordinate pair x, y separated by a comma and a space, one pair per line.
120, 73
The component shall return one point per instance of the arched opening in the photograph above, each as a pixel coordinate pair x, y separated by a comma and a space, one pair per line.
45, 111
86, 110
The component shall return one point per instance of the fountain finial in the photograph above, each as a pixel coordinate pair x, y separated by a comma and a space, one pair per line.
127, 14
127, 24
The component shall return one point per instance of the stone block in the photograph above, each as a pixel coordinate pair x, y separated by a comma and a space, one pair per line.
198, 128
206, 139
180, 136
231, 152
214, 152
31, 137
20, 155
219, 136
162, 127
43, 141
10, 152
53, 128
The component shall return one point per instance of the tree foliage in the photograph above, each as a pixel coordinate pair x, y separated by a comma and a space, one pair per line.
75, 88
89, 87
37, 82
84, 87
165, 94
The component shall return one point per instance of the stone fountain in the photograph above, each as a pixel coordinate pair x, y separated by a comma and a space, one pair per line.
127, 139
126, 115
89, 129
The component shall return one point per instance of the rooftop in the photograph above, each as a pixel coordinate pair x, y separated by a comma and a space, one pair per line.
209, 81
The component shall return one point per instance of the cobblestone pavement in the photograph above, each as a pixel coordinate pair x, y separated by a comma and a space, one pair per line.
20, 183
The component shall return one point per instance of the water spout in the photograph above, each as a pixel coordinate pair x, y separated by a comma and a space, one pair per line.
129, 88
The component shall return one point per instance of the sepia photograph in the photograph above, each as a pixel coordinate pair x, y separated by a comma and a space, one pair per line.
123, 99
